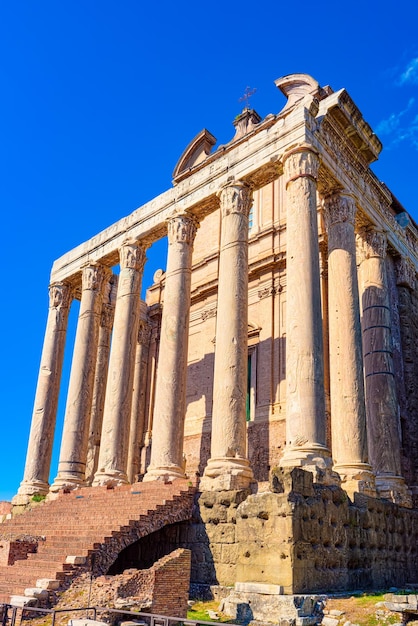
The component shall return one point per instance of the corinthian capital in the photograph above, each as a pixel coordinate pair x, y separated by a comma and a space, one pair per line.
60, 295
181, 228
93, 276
132, 255
301, 162
236, 198
339, 208
371, 243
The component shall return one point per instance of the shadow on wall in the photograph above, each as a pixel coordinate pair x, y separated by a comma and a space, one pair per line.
265, 439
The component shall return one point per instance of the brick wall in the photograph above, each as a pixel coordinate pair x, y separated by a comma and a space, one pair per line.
11, 551
161, 589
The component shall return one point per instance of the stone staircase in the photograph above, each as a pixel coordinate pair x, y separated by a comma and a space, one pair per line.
85, 522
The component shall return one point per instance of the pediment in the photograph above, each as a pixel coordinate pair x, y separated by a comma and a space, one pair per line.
196, 152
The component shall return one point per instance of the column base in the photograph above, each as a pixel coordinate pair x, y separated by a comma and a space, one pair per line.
357, 478
28, 489
392, 487
315, 459
166, 473
226, 474
66, 482
110, 478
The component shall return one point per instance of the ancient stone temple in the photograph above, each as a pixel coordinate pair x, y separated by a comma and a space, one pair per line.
274, 358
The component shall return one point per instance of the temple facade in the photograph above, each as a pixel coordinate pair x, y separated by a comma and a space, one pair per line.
282, 333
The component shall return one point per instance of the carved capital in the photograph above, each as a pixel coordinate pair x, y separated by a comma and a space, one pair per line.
236, 198
93, 276
339, 208
372, 243
181, 228
132, 256
60, 295
405, 273
301, 162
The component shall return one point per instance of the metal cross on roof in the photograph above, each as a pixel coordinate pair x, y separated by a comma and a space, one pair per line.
247, 95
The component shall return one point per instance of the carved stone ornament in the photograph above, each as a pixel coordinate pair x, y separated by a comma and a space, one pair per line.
93, 276
267, 291
108, 313
236, 198
144, 333
132, 256
405, 273
301, 162
373, 243
339, 208
60, 295
208, 314
181, 228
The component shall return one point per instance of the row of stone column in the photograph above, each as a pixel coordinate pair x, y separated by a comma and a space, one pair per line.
359, 351
108, 416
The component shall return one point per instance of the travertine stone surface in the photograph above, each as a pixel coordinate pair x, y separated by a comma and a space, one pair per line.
38, 460
137, 425
100, 376
170, 401
348, 410
73, 454
381, 399
228, 467
118, 400
305, 412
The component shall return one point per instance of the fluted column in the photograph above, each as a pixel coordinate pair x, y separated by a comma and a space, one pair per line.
136, 431
170, 400
348, 410
382, 407
100, 376
38, 459
113, 454
73, 454
305, 404
228, 467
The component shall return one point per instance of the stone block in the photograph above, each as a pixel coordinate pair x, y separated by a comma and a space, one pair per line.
221, 533
36, 592
22, 601
48, 583
259, 588
329, 621
76, 560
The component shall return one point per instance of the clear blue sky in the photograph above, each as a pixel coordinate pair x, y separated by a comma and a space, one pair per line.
100, 98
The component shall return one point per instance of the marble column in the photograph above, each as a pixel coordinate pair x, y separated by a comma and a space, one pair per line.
406, 286
113, 454
73, 454
170, 399
38, 459
136, 431
382, 409
100, 376
228, 466
305, 404
348, 409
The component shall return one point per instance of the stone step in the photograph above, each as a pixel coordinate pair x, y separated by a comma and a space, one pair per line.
79, 523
